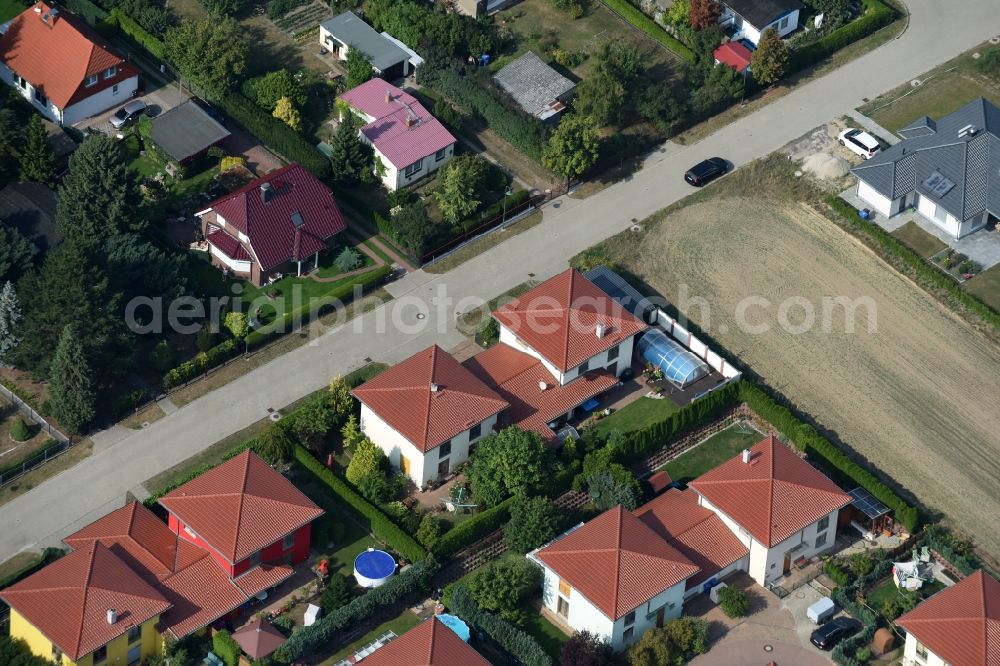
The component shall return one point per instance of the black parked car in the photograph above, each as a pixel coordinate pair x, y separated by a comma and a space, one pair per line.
705, 172
834, 631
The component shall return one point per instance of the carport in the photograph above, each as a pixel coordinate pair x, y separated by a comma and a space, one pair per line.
186, 131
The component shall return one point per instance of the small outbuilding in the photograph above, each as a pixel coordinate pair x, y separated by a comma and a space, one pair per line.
734, 54
536, 86
258, 638
186, 131
390, 58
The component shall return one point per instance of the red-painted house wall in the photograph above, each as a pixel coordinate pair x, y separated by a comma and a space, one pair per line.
177, 527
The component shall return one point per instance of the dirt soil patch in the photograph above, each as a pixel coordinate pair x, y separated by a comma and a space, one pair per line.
916, 396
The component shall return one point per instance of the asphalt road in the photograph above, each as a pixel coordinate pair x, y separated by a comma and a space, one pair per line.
937, 32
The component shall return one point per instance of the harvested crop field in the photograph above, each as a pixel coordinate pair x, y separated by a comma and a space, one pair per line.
917, 396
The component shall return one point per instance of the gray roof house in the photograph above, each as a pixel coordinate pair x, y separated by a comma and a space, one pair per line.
186, 131
748, 19
538, 88
389, 59
949, 170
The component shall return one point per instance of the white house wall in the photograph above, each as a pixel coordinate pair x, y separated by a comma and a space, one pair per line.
596, 362
116, 95
423, 466
877, 200
910, 657
52, 112
238, 266
741, 564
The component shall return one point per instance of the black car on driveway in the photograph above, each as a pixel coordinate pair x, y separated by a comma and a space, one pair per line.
705, 172
834, 631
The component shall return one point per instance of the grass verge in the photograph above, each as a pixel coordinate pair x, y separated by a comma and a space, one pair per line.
483, 244
918, 240
44, 472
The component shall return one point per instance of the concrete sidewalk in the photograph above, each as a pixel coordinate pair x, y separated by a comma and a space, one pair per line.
392, 332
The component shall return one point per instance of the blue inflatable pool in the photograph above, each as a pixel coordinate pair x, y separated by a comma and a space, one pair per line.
373, 567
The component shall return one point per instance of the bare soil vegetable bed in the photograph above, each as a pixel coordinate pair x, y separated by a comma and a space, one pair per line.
917, 396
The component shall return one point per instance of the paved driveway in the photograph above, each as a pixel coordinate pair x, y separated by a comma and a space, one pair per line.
45, 514
159, 99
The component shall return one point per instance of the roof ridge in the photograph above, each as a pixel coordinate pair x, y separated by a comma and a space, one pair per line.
430, 644
92, 555
618, 561
569, 306
426, 425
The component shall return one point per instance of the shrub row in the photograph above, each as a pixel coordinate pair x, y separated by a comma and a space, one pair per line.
380, 524
647, 25
807, 439
275, 134
226, 648
518, 643
526, 133
137, 33
308, 640
473, 529
201, 363
952, 549
876, 15
901, 256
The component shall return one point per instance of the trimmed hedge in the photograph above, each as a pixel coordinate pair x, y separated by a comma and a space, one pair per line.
517, 642
48, 556
473, 530
526, 133
897, 253
807, 439
875, 15
380, 524
226, 648
137, 33
647, 25
275, 134
201, 363
308, 640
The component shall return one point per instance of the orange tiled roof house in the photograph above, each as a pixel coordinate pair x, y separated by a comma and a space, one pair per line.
561, 344
232, 534
62, 67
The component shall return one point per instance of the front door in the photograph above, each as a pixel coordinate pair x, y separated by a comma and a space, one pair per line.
787, 565
661, 616
443, 467
404, 465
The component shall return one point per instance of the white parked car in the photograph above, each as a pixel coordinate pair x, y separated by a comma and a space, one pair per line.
860, 142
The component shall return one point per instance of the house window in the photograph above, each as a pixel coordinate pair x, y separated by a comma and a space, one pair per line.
821, 540
114, 89
134, 633
288, 541
253, 560
564, 588
630, 619
921, 651
41, 99
110, 72
91, 80
784, 23
613, 353
476, 431
823, 523
444, 450
439, 155
414, 168
627, 634
101, 654
562, 607
584, 367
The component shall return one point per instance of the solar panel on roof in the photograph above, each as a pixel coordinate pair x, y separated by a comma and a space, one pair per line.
863, 501
938, 185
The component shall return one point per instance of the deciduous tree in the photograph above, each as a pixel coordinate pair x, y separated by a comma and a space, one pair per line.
99, 198
359, 67
703, 13
678, 14
237, 324
770, 61
71, 390
268, 88
653, 649
38, 162
274, 444
599, 97
286, 112
503, 585
573, 148
586, 649
511, 462
533, 522
10, 321
430, 530
211, 52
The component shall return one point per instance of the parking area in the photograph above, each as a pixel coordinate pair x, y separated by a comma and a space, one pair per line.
158, 100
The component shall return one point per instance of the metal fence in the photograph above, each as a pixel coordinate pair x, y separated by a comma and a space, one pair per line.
62, 442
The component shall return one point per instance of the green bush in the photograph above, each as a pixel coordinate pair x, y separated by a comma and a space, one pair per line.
836, 573
647, 25
734, 602
875, 15
472, 530
136, 33
200, 363
526, 133
380, 524
275, 134
225, 648
19, 432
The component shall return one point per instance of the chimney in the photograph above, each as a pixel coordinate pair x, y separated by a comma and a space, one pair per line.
388, 96
600, 330
265, 192
410, 120
434, 387
542, 385
746, 456
112, 616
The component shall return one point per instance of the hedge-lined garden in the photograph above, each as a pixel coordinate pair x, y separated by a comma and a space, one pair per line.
647, 25
875, 16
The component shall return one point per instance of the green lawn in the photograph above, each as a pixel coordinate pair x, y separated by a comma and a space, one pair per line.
887, 591
9, 9
986, 286
918, 240
547, 634
637, 415
711, 453
327, 269
400, 625
941, 93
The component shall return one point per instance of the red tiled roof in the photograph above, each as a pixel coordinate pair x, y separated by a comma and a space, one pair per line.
694, 530
617, 562
403, 397
401, 144
960, 624
229, 246
559, 319
57, 56
515, 375
430, 643
773, 496
269, 226
734, 54
198, 588
68, 600
241, 506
